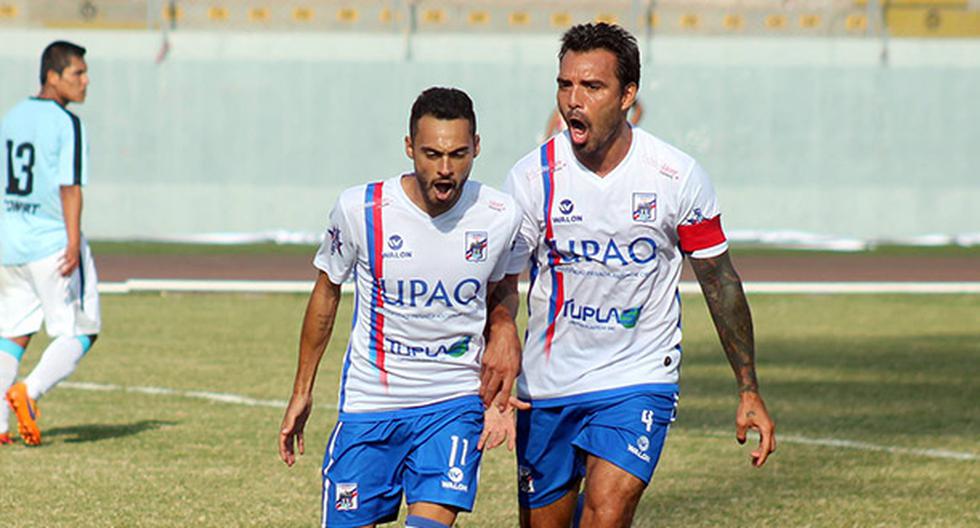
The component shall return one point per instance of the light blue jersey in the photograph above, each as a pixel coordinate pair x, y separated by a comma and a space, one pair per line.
42, 147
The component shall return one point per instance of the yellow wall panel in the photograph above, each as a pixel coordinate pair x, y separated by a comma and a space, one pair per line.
561, 20
932, 22
519, 18
218, 13
303, 14
348, 15
479, 18
259, 14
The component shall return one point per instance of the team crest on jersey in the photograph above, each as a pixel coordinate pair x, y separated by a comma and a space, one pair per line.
644, 207
346, 497
476, 246
336, 244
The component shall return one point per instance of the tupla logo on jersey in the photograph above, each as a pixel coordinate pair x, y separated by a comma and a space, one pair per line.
456, 349
644, 207
625, 317
476, 246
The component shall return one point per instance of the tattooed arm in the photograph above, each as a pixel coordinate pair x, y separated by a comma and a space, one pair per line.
729, 309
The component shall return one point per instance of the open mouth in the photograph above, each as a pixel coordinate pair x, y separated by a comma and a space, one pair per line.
444, 189
579, 130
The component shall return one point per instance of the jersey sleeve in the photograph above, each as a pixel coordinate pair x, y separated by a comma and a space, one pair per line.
337, 255
528, 233
699, 232
502, 266
72, 153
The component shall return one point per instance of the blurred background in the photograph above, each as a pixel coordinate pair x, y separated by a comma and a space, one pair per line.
830, 123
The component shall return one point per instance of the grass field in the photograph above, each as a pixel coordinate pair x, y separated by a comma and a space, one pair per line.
883, 372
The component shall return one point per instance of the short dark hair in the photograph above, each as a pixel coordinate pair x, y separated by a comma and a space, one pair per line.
442, 103
610, 37
57, 56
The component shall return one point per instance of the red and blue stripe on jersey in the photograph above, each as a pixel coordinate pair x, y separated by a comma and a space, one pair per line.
374, 226
557, 298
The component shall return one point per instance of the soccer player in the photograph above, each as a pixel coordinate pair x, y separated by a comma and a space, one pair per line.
46, 269
424, 249
610, 212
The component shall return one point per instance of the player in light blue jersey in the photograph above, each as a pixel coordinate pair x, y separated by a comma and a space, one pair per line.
423, 249
46, 269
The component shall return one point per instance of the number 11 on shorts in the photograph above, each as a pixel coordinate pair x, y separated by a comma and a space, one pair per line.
455, 448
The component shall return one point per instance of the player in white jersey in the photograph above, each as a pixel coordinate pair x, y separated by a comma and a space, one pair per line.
423, 249
46, 269
610, 212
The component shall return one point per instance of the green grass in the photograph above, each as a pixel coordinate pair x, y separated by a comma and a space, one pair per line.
887, 370
270, 248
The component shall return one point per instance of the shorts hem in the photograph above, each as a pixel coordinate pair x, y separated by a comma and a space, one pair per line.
619, 464
389, 517
467, 508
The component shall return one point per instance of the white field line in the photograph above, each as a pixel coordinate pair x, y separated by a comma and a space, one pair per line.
241, 286
236, 399
851, 444
221, 397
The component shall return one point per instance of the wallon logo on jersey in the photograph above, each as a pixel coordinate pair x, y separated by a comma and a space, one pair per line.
476, 246
395, 244
566, 207
625, 317
455, 481
346, 497
640, 449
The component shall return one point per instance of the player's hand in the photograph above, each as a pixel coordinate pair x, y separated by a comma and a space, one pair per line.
69, 261
498, 426
501, 365
752, 414
293, 423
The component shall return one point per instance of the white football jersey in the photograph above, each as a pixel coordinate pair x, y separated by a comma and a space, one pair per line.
421, 284
605, 256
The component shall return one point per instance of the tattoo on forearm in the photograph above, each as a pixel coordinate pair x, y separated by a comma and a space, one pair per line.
730, 312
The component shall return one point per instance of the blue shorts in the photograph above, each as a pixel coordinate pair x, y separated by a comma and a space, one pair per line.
626, 427
428, 453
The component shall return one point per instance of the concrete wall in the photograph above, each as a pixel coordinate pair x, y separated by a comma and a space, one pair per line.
235, 132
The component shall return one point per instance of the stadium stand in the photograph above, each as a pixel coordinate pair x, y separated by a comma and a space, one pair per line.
812, 18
